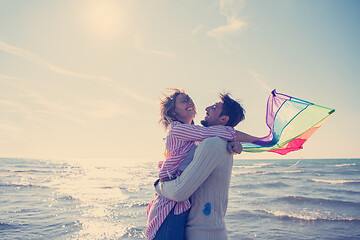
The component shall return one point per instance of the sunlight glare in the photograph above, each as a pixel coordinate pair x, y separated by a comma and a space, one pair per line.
104, 18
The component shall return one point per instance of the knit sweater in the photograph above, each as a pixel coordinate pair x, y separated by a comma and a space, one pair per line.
207, 181
179, 142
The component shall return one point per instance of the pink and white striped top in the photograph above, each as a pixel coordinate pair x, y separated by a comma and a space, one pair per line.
179, 140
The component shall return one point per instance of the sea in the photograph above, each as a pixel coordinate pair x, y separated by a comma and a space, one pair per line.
108, 199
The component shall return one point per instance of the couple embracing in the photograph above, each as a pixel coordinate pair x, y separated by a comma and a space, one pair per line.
194, 179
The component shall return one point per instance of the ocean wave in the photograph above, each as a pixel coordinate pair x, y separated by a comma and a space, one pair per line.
5, 226
298, 200
32, 171
241, 173
336, 181
245, 186
256, 173
338, 191
65, 198
21, 185
268, 173
276, 172
241, 214
276, 184
131, 189
294, 171
246, 167
309, 216
134, 232
135, 204
345, 165
257, 165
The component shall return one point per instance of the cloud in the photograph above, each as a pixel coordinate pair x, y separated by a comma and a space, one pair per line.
234, 24
105, 109
232, 27
36, 59
102, 80
9, 127
14, 106
197, 29
258, 78
139, 47
33, 106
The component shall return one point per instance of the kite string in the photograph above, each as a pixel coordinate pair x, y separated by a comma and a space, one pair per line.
300, 158
295, 163
284, 169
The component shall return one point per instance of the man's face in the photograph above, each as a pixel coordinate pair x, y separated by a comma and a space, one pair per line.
212, 117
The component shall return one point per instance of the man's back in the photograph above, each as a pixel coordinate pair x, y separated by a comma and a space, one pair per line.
206, 180
209, 202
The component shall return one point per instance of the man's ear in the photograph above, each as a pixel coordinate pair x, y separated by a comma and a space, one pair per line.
224, 119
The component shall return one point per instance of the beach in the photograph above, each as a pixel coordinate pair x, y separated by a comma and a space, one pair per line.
107, 199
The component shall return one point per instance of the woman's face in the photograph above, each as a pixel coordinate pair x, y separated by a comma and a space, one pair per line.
184, 108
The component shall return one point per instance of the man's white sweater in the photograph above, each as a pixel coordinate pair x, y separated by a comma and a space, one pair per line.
207, 181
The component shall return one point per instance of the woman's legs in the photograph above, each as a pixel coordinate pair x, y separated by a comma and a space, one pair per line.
173, 227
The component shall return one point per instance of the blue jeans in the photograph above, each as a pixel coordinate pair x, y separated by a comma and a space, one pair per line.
173, 227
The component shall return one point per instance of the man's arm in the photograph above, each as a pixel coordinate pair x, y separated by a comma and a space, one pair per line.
244, 137
210, 153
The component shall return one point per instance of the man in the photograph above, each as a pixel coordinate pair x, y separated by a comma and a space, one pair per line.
206, 180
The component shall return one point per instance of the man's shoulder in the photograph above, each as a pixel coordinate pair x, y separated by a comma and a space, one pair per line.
214, 140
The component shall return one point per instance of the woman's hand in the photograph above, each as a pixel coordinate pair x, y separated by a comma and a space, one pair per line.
234, 147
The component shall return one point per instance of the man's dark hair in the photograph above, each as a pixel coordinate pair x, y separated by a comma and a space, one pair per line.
232, 109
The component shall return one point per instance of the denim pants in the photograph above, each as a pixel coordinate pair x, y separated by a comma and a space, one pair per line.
173, 227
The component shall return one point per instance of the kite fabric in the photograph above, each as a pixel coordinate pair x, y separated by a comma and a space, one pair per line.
291, 121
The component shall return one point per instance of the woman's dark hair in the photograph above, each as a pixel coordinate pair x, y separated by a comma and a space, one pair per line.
232, 109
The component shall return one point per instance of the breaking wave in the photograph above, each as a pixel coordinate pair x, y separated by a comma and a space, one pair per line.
336, 181
312, 216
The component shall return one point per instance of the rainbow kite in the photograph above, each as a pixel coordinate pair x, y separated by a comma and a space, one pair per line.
291, 121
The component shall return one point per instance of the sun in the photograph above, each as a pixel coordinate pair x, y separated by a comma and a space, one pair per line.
103, 18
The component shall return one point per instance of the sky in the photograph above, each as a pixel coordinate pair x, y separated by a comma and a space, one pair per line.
82, 79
